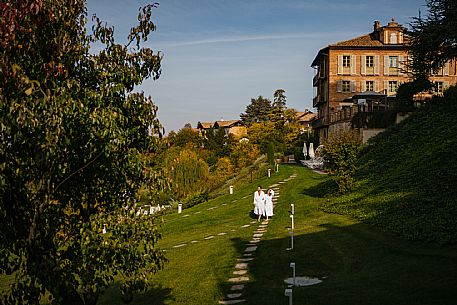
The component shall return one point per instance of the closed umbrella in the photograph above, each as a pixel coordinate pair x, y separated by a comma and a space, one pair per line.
311, 151
305, 150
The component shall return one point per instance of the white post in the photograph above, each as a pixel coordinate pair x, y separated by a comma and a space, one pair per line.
269, 172
104, 229
291, 233
231, 189
179, 208
292, 208
292, 265
277, 167
288, 293
292, 219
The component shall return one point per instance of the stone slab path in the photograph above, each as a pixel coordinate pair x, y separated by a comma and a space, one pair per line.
236, 294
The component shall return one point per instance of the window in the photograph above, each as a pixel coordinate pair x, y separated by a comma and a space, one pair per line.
439, 87
346, 86
369, 61
393, 61
369, 85
346, 61
393, 86
393, 38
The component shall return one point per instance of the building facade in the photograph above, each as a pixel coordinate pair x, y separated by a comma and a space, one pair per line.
363, 74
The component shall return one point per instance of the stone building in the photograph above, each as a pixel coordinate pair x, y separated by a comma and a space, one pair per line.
363, 74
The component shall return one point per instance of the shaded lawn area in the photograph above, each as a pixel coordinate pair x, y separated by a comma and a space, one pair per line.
358, 264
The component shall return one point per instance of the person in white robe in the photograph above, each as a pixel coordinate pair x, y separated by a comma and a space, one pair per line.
269, 203
259, 202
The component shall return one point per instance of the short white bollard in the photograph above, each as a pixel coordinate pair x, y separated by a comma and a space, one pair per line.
269, 172
292, 265
291, 233
288, 293
231, 189
277, 167
179, 208
292, 219
292, 209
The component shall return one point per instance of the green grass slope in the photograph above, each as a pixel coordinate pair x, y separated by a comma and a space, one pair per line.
407, 176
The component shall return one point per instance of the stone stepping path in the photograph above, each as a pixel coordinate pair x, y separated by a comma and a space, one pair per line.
242, 265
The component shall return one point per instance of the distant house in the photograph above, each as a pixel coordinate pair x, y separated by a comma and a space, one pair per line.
306, 118
233, 127
203, 127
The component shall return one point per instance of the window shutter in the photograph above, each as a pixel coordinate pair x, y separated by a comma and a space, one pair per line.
401, 65
363, 86
376, 65
446, 69
340, 64
386, 86
386, 65
339, 86
353, 65
363, 65
376, 86
353, 86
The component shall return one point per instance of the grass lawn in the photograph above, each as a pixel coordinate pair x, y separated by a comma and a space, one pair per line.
358, 264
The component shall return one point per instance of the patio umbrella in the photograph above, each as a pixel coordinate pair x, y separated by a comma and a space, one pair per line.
305, 150
311, 150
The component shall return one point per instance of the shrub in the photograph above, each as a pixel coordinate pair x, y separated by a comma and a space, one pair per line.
195, 199
340, 154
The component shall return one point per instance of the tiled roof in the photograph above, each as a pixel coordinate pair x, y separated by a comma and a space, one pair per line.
224, 123
205, 125
306, 116
369, 40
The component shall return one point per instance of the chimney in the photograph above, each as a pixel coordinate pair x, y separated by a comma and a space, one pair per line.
377, 25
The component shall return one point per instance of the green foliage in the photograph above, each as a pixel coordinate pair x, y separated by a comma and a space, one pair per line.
257, 111
406, 177
187, 137
194, 199
270, 153
340, 153
244, 154
378, 119
217, 142
76, 146
406, 92
433, 39
278, 106
188, 173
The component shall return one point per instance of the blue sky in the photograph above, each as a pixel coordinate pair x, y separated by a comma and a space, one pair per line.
219, 54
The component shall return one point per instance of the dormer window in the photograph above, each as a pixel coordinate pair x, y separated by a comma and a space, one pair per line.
393, 38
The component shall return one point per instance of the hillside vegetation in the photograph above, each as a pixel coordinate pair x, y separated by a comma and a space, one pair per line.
407, 176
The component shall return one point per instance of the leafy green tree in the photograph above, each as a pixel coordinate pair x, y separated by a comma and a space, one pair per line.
76, 146
278, 106
257, 111
340, 153
244, 154
188, 173
433, 39
187, 137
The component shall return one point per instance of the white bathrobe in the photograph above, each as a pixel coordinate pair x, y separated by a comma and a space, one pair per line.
269, 204
259, 202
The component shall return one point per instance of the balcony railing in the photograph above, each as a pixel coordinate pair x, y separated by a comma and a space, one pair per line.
320, 122
317, 100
